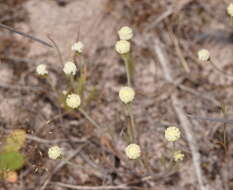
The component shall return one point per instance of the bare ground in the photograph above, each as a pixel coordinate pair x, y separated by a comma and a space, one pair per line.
182, 27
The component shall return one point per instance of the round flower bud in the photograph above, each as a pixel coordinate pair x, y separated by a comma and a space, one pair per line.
125, 33
70, 68
42, 69
78, 47
126, 94
133, 151
73, 100
178, 156
203, 55
230, 9
172, 134
122, 46
54, 152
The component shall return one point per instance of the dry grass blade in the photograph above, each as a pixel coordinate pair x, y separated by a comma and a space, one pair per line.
57, 50
25, 35
179, 51
45, 141
211, 119
159, 19
90, 187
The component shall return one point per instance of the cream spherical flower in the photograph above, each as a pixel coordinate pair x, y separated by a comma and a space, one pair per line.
73, 100
178, 156
126, 94
203, 55
122, 46
42, 69
172, 134
125, 33
133, 151
54, 152
70, 68
230, 9
78, 47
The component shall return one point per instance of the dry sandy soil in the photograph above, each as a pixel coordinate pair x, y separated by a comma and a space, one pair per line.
167, 35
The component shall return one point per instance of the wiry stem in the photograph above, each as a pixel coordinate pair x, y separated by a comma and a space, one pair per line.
129, 70
224, 128
57, 50
219, 70
132, 128
25, 35
92, 121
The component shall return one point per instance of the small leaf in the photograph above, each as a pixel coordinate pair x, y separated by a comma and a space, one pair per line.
11, 160
15, 140
81, 82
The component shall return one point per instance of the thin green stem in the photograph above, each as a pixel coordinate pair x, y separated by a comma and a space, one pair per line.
224, 127
92, 121
132, 128
72, 81
170, 164
73, 164
231, 21
173, 147
81, 82
219, 70
128, 75
57, 50
103, 129
142, 163
52, 86
145, 162
129, 68
224, 135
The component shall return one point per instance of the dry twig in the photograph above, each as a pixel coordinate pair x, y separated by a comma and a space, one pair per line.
90, 187
45, 141
25, 35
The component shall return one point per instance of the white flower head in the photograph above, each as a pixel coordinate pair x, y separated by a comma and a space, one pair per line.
125, 33
42, 69
203, 55
54, 152
122, 46
70, 68
178, 156
126, 94
73, 100
133, 151
230, 9
78, 47
172, 134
